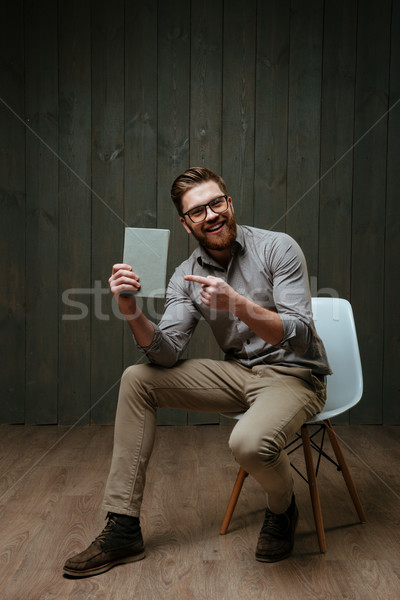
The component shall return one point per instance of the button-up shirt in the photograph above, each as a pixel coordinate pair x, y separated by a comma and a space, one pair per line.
267, 267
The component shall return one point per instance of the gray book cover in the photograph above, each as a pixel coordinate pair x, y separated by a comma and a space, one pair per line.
146, 251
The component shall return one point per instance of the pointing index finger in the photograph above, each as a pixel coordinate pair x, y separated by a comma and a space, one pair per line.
197, 279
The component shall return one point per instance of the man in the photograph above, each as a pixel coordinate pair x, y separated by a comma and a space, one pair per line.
251, 286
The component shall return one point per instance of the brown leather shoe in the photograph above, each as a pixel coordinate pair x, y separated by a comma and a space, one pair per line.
277, 534
120, 542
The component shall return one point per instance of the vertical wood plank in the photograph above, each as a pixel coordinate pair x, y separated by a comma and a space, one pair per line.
240, 33
75, 211
206, 83
173, 116
391, 387
273, 43
371, 104
12, 223
173, 132
337, 130
107, 211
303, 127
140, 189
41, 70
205, 135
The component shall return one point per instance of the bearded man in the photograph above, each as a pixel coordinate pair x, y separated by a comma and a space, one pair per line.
251, 286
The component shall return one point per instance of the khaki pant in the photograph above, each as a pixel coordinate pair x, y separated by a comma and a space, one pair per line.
277, 401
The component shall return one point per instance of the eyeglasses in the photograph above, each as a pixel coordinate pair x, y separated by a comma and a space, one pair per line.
199, 213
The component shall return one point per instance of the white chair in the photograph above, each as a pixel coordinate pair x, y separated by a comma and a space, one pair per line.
334, 322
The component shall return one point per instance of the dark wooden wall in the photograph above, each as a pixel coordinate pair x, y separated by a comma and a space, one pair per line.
102, 104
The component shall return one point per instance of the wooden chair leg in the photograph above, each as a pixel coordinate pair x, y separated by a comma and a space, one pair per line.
345, 471
233, 500
312, 484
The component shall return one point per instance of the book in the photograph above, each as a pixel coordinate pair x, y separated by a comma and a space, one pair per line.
146, 251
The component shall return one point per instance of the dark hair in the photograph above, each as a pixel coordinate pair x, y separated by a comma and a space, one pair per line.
190, 179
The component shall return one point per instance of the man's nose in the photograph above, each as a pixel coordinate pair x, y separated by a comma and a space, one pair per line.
210, 214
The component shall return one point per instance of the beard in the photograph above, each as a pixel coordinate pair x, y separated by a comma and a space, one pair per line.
218, 242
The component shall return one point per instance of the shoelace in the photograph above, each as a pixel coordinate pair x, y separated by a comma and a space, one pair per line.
112, 519
274, 524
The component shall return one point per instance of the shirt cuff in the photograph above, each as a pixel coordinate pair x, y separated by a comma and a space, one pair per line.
155, 343
296, 336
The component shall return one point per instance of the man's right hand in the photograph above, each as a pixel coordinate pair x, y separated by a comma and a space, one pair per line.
123, 279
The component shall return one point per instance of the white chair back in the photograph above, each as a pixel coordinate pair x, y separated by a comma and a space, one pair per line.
334, 322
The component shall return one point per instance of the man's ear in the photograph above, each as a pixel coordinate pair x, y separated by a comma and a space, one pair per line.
231, 204
188, 230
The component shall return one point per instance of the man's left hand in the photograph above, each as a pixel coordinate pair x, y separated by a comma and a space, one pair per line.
215, 293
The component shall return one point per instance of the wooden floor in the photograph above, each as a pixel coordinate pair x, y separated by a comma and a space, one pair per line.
51, 487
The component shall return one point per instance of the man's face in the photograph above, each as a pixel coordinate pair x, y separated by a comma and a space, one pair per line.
217, 231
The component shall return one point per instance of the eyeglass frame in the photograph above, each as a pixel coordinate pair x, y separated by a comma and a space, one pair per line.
186, 214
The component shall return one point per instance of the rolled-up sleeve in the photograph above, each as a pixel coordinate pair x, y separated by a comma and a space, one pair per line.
176, 327
292, 296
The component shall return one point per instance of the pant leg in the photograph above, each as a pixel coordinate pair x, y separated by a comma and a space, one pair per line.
197, 384
281, 399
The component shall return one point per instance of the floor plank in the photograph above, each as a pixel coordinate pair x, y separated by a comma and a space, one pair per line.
51, 485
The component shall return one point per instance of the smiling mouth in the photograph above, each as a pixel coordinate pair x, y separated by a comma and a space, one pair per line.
216, 228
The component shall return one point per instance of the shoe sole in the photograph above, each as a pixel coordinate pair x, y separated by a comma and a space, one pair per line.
103, 568
267, 559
